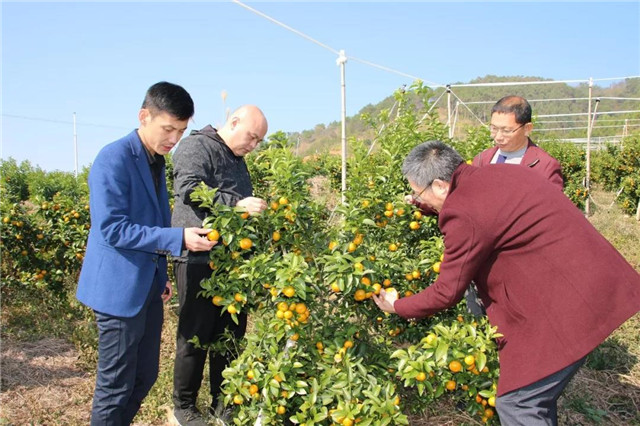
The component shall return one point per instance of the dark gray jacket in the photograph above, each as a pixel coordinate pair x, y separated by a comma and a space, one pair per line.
204, 157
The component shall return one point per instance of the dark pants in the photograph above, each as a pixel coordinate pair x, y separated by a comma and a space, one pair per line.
128, 360
536, 404
199, 317
474, 304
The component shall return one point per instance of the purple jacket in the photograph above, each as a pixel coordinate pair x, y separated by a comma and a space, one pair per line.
553, 286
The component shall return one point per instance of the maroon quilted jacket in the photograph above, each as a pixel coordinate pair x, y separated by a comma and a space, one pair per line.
553, 286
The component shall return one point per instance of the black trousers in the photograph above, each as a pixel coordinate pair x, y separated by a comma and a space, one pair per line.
197, 316
537, 403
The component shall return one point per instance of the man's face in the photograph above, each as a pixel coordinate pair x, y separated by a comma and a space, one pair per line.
432, 195
509, 135
160, 132
246, 133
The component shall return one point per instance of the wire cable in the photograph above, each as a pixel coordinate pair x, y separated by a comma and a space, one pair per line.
49, 120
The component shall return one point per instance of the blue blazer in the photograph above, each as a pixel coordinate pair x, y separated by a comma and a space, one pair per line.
130, 231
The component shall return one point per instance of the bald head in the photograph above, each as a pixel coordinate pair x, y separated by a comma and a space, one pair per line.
244, 130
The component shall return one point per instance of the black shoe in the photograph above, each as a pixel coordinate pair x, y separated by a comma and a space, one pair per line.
189, 417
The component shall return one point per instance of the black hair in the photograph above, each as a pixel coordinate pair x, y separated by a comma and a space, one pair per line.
430, 161
516, 105
169, 98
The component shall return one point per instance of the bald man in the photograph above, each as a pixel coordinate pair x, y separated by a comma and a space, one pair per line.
215, 157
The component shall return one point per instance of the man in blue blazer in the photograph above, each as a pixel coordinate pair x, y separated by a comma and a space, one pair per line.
124, 274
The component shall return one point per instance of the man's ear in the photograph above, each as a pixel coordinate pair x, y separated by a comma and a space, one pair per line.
528, 128
144, 116
440, 187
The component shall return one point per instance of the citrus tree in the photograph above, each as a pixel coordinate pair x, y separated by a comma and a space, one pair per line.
320, 351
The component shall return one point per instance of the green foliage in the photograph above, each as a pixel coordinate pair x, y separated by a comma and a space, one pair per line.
617, 168
573, 161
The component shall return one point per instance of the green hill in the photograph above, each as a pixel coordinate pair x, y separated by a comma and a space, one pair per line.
545, 99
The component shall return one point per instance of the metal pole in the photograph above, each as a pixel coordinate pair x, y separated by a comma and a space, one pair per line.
455, 119
587, 184
75, 144
342, 59
593, 121
449, 109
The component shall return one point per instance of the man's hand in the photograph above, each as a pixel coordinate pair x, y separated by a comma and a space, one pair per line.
168, 292
253, 205
195, 239
385, 300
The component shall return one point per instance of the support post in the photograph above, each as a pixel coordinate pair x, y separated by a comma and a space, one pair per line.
587, 183
341, 61
449, 109
75, 145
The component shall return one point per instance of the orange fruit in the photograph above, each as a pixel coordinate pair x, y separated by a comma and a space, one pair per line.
436, 267
332, 245
388, 213
348, 344
283, 201
301, 308
417, 215
488, 413
450, 385
469, 359
352, 247
365, 280
376, 288
217, 300
238, 297
289, 291
251, 375
386, 282
455, 366
388, 206
335, 287
245, 215
246, 243
359, 295
283, 306
492, 401
274, 205
232, 309
253, 389
213, 235
276, 236
414, 226
281, 410
358, 266
421, 377
393, 247
238, 399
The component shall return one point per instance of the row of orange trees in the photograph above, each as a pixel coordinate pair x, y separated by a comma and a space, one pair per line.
319, 352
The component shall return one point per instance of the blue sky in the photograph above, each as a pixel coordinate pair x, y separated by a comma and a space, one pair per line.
98, 59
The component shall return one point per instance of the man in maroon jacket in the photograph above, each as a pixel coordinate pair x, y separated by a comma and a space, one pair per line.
553, 286
510, 129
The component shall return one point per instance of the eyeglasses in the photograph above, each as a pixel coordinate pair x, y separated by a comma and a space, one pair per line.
505, 132
417, 196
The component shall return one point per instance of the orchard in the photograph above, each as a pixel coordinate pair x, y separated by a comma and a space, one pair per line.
318, 352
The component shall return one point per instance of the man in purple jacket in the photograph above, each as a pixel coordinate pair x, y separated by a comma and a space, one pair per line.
510, 129
553, 286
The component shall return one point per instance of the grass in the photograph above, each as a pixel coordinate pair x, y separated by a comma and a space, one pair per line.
46, 380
